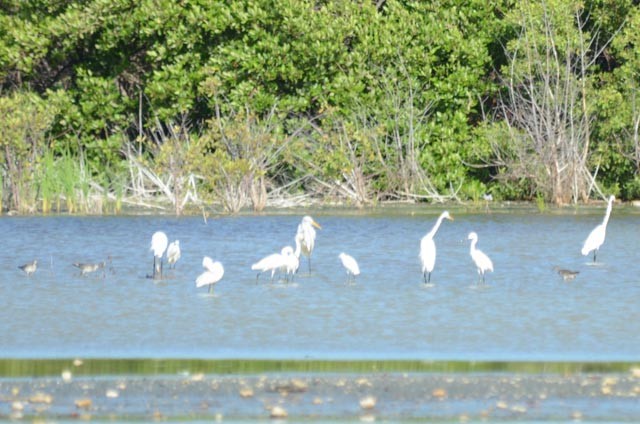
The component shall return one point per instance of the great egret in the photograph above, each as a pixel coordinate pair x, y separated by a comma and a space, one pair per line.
597, 235
307, 235
566, 274
86, 268
428, 248
482, 261
350, 265
292, 259
214, 273
29, 268
173, 253
274, 262
159, 243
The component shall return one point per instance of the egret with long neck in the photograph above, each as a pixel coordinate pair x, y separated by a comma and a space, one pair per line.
597, 235
428, 248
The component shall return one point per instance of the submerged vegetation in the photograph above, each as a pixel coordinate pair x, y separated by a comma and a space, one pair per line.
181, 106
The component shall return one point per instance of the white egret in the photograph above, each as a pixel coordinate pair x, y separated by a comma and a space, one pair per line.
350, 265
428, 248
274, 262
214, 273
292, 259
173, 253
308, 236
159, 243
597, 235
482, 261
29, 268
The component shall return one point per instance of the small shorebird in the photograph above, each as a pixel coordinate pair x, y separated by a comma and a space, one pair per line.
89, 268
29, 268
566, 274
173, 253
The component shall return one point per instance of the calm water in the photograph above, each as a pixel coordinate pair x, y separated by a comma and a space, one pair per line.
524, 312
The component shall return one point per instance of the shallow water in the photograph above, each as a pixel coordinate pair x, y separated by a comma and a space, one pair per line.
525, 311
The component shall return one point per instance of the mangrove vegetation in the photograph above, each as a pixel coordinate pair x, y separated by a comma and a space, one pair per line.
189, 105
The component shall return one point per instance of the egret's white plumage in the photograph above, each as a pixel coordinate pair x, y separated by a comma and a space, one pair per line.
597, 235
159, 243
428, 247
482, 261
292, 259
173, 253
307, 235
214, 273
274, 262
350, 265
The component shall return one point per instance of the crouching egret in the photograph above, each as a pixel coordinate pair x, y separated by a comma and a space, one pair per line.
597, 235
29, 268
274, 262
173, 253
428, 248
159, 243
482, 261
214, 271
307, 235
350, 265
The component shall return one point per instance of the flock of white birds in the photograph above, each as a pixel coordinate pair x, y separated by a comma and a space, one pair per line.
288, 260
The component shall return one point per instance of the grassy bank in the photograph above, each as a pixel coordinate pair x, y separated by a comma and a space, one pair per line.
96, 367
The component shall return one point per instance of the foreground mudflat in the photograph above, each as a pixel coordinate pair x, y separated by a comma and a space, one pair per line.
333, 397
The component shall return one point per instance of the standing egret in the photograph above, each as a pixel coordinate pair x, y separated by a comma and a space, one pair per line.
159, 243
350, 265
482, 261
214, 271
29, 268
173, 253
308, 236
597, 235
292, 258
274, 262
428, 248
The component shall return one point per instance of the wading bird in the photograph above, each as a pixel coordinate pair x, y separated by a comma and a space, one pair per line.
173, 253
307, 235
159, 243
29, 268
214, 271
428, 248
566, 274
274, 262
597, 235
350, 265
87, 268
482, 261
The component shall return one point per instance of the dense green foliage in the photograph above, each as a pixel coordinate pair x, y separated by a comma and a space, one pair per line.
242, 103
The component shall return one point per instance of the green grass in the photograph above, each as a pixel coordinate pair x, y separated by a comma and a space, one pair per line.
104, 367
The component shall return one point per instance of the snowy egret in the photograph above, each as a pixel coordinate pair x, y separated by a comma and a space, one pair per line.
350, 265
566, 274
482, 261
159, 243
88, 268
173, 253
214, 271
308, 236
597, 235
29, 268
428, 248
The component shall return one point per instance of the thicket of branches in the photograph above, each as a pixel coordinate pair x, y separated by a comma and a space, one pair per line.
249, 104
